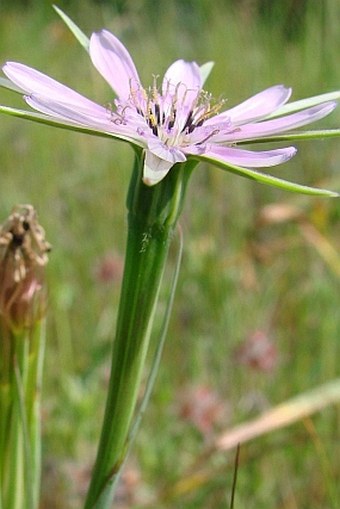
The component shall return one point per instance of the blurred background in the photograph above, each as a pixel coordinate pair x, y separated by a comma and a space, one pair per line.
256, 317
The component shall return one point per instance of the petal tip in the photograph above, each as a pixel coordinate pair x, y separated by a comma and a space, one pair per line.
290, 152
150, 182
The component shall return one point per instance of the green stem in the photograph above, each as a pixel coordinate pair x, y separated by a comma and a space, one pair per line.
153, 214
155, 361
21, 356
161, 340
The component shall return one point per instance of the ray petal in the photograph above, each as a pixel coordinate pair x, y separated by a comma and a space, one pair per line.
282, 124
34, 82
183, 79
248, 158
113, 61
258, 106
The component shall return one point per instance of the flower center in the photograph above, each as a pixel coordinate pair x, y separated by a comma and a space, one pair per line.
172, 113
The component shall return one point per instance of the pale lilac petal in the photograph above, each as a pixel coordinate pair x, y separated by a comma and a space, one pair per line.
159, 149
183, 79
34, 82
257, 107
63, 111
114, 63
278, 125
81, 117
246, 158
155, 169
50, 106
260, 105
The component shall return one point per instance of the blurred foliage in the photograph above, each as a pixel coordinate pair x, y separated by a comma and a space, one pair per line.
258, 263
288, 15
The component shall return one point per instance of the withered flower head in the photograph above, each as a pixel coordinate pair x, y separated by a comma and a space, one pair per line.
23, 256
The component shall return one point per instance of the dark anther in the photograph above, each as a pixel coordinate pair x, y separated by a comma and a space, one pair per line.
188, 123
157, 113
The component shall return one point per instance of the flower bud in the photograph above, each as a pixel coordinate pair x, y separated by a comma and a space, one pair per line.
23, 256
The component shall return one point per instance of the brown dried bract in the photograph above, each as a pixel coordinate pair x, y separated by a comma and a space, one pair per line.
23, 254
23, 240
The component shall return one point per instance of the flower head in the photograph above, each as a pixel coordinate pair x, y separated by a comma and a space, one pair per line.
172, 121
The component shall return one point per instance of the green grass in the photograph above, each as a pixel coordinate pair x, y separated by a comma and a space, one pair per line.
239, 274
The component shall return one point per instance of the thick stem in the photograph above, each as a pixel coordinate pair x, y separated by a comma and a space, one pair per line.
153, 213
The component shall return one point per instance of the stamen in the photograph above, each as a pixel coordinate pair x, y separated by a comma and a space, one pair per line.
188, 123
172, 118
172, 112
155, 93
210, 135
157, 113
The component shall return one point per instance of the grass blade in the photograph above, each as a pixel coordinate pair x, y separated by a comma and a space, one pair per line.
282, 415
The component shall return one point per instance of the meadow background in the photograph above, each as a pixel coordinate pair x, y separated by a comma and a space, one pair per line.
256, 317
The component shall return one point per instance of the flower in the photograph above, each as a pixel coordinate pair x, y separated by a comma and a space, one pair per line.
202, 407
172, 122
258, 352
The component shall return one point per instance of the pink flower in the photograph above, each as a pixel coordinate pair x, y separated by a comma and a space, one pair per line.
258, 352
172, 122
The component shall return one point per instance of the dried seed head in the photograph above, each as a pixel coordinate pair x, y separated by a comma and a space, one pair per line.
23, 255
